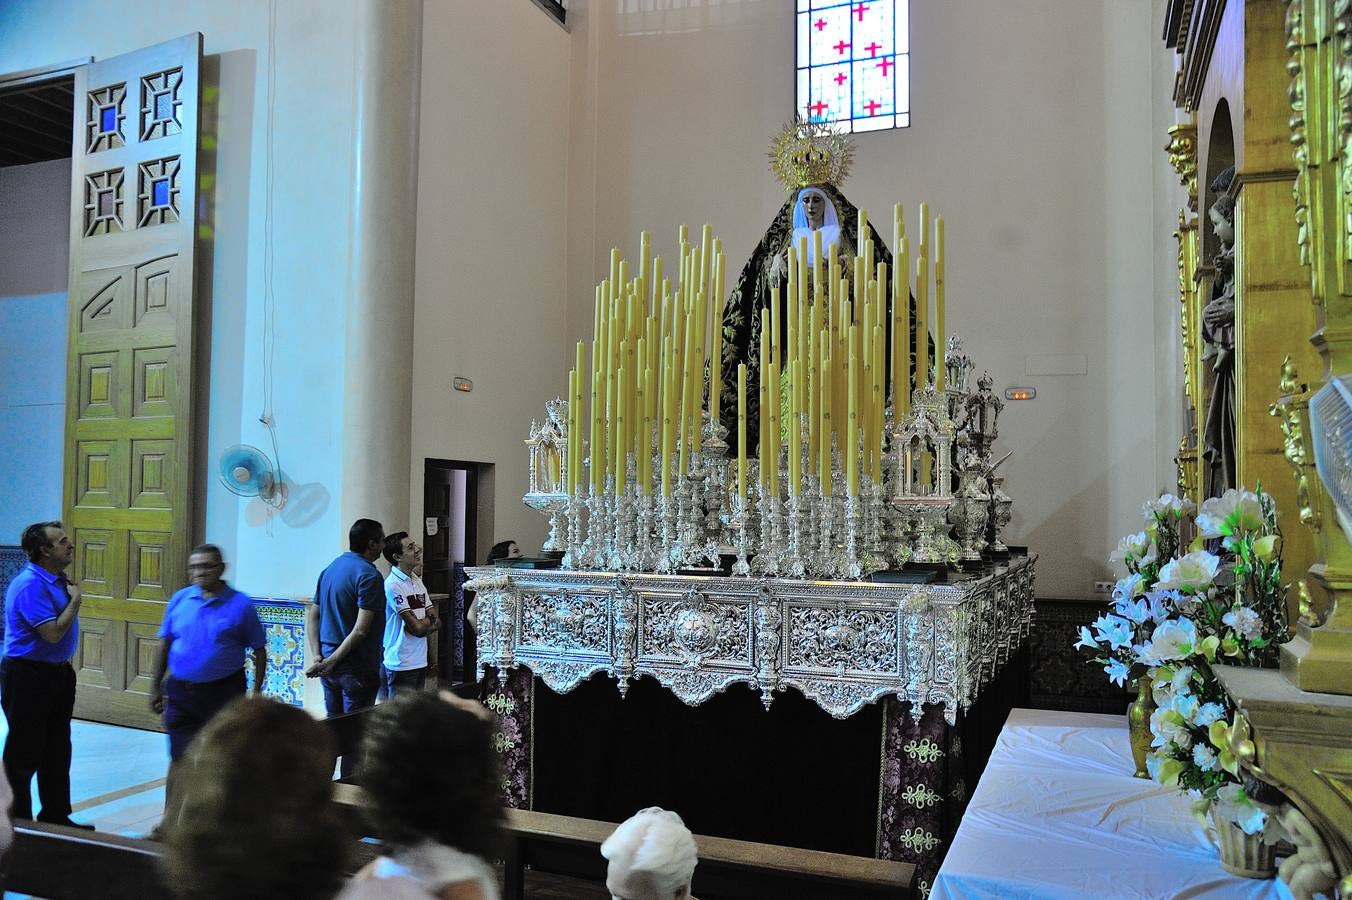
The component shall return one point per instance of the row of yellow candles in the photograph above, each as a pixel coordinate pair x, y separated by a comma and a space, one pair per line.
650, 345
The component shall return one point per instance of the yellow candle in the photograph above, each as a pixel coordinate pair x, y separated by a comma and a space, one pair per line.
922, 322
824, 469
741, 430
572, 429
644, 263
795, 374
687, 392
862, 236
898, 228
817, 266
621, 391
876, 413
716, 360
638, 414
668, 424
901, 331
772, 420
763, 389
924, 230
813, 380
851, 449
598, 435
941, 375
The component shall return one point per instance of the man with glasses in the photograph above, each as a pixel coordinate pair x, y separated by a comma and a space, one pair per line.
206, 630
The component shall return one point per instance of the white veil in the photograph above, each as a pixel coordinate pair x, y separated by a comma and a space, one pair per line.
830, 223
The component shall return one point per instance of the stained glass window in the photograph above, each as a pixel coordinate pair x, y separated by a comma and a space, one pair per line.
854, 63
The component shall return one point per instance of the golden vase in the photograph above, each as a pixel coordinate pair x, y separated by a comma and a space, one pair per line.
1243, 854
1138, 721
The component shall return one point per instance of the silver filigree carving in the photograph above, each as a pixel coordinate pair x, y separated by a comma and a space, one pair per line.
844, 645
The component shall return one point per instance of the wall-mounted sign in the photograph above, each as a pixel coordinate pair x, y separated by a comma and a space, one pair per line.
464, 385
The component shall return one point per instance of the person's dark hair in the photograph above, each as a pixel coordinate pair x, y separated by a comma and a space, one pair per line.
394, 546
499, 551
34, 539
208, 548
411, 804
264, 769
362, 533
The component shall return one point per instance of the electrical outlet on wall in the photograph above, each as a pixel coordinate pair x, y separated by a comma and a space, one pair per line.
1103, 587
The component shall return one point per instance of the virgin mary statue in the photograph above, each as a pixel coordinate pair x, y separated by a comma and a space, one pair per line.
809, 160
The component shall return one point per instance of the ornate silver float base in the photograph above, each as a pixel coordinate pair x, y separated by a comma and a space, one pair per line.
844, 645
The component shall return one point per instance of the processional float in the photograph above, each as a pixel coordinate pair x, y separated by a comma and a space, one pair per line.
868, 458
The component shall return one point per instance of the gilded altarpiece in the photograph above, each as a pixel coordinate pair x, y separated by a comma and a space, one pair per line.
1290, 64
1232, 86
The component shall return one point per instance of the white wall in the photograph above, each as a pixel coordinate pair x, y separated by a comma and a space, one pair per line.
490, 290
34, 240
314, 173
1032, 135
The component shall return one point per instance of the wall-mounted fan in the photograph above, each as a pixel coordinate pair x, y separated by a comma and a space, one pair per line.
248, 472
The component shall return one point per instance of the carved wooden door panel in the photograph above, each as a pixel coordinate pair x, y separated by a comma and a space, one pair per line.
129, 389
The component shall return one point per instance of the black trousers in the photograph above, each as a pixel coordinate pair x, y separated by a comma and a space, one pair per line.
189, 705
38, 699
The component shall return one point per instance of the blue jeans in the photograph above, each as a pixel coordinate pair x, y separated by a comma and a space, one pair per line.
346, 690
410, 680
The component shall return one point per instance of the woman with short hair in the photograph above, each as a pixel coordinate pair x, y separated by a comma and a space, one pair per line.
432, 776
258, 818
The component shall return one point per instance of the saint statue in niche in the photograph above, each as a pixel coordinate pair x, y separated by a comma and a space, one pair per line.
810, 161
1218, 333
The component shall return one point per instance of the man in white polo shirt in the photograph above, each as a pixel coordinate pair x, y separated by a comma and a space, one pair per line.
409, 615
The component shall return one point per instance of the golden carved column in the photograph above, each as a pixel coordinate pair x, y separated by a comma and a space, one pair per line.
1273, 314
1182, 150
1319, 47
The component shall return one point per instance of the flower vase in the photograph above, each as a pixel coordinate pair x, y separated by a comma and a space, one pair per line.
1243, 854
1138, 723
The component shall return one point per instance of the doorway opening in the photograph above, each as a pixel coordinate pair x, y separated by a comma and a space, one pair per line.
36, 115
451, 527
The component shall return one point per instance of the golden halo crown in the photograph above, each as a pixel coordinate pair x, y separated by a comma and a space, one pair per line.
807, 153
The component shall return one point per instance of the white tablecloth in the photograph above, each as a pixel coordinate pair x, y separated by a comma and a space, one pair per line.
1057, 813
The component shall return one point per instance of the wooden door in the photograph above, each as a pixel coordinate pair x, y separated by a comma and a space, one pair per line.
129, 388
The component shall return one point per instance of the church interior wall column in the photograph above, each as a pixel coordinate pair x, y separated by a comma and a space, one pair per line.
378, 375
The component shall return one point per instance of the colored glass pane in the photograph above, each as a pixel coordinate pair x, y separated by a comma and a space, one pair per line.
108, 119
159, 192
853, 62
163, 106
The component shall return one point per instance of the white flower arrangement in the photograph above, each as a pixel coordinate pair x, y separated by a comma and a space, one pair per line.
1174, 613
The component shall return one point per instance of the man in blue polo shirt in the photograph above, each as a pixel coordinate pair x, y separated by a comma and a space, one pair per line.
347, 622
207, 626
37, 682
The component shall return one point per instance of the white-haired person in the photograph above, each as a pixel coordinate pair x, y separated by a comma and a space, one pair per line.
651, 856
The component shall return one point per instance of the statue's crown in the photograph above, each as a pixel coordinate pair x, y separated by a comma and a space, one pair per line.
808, 153
985, 382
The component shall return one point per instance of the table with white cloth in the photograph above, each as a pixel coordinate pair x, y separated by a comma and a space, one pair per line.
1057, 813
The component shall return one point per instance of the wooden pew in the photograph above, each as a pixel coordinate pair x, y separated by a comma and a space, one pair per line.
58, 862
728, 869
348, 728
